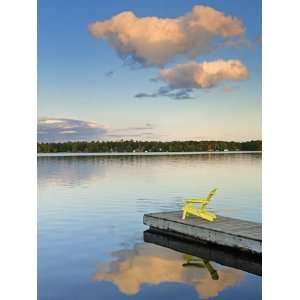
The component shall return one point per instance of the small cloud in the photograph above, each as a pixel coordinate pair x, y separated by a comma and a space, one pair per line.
62, 129
154, 79
132, 132
129, 135
68, 132
183, 79
203, 75
149, 41
50, 121
144, 95
109, 73
182, 94
147, 126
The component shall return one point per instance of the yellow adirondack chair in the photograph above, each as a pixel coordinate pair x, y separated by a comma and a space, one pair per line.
200, 210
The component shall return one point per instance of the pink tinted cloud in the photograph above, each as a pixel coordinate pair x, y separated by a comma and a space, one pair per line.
155, 41
203, 75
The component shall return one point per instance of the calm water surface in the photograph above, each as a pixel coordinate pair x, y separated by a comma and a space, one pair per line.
90, 231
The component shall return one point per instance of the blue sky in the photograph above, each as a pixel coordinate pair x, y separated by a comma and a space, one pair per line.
86, 90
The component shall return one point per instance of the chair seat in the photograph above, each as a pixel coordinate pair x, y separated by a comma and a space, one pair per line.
200, 213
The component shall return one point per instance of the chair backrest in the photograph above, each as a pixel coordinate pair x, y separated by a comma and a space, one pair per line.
210, 194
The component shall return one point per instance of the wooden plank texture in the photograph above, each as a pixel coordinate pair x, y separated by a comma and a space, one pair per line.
229, 232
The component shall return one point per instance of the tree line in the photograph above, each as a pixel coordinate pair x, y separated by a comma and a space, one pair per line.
148, 146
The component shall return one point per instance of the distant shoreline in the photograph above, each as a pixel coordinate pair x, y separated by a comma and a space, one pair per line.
131, 147
62, 154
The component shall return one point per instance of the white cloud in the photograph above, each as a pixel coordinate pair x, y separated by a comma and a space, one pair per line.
62, 129
68, 131
50, 121
155, 41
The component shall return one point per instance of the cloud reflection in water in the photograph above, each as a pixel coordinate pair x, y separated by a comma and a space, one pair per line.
153, 265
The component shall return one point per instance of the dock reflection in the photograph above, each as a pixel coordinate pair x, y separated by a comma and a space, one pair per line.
201, 253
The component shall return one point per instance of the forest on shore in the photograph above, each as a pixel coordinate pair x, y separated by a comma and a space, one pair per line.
147, 146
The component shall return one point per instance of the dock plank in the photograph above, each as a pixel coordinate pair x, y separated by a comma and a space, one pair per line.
229, 232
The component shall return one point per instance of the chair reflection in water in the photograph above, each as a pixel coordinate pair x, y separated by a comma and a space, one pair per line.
200, 263
190, 207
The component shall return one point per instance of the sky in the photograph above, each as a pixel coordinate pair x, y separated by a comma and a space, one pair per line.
149, 70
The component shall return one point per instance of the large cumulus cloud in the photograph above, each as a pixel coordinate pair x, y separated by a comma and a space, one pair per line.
155, 41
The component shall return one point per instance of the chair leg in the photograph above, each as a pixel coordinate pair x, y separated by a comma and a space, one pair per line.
184, 214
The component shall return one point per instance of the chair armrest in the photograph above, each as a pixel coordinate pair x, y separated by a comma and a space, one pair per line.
196, 200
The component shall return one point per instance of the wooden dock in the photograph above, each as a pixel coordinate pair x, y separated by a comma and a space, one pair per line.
239, 235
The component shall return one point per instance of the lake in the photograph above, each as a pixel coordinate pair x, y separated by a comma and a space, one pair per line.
90, 229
